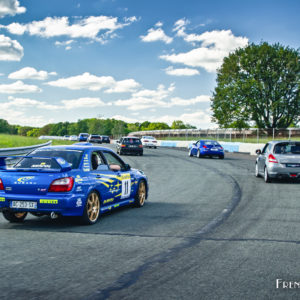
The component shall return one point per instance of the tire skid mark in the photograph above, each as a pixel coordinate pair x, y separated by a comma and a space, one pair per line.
128, 279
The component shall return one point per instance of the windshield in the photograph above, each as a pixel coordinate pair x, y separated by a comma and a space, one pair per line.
287, 148
73, 157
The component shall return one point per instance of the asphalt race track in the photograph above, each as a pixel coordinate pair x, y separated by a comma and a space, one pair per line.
209, 230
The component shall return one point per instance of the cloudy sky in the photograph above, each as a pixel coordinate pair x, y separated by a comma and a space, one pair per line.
133, 60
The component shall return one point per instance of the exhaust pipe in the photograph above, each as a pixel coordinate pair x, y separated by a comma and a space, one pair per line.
53, 215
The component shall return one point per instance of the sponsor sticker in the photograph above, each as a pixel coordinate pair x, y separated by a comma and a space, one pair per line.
48, 201
78, 202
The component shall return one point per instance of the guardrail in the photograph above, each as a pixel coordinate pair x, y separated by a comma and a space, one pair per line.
21, 150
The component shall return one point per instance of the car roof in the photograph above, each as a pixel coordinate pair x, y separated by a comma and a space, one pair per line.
282, 141
131, 137
75, 147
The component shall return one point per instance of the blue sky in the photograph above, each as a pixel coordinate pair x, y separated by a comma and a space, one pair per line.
133, 60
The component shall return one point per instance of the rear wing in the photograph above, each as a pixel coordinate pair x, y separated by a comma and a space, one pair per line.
64, 166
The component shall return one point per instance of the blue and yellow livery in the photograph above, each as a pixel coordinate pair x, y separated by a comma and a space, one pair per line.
77, 180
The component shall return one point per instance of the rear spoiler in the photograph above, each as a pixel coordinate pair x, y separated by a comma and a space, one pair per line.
64, 165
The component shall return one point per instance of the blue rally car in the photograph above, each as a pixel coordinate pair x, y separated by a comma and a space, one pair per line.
76, 180
207, 148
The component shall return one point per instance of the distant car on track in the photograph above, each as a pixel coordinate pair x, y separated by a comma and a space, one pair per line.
208, 148
83, 137
278, 159
82, 181
105, 139
130, 145
73, 138
149, 141
94, 138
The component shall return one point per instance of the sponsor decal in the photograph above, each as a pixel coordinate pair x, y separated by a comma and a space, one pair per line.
78, 179
41, 190
48, 201
25, 179
79, 188
78, 202
282, 284
8, 188
108, 200
2, 199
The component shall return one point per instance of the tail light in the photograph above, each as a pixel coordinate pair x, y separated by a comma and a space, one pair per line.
154, 141
1, 184
62, 185
123, 145
146, 141
141, 146
272, 159
204, 147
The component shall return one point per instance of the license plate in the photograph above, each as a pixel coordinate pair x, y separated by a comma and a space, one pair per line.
132, 146
24, 204
214, 149
293, 165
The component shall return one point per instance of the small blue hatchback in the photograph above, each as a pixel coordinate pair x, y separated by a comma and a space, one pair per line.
208, 148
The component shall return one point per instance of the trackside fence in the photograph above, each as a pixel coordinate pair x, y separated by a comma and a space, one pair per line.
252, 135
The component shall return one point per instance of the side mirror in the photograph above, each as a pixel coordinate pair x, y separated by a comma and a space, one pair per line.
258, 151
126, 167
194, 144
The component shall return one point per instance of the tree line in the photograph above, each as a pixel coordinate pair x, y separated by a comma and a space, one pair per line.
110, 127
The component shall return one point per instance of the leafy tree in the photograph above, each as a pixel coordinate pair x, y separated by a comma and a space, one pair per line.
35, 132
4, 126
258, 84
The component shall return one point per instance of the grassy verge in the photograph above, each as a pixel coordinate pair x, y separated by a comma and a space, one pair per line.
11, 141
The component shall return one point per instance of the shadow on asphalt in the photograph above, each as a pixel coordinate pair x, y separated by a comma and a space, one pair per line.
124, 220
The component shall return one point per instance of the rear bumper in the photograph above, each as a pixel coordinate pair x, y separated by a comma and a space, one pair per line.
131, 150
149, 144
65, 205
212, 153
276, 171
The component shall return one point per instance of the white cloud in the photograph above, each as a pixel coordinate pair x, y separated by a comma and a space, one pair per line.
177, 101
182, 72
156, 34
10, 50
98, 28
144, 99
11, 7
20, 103
30, 73
123, 86
95, 83
18, 87
83, 103
66, 44
147, 99
215, 45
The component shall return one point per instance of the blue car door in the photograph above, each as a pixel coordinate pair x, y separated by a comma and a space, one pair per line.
123, 178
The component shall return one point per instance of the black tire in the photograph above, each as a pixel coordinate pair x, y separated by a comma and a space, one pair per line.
190, 153
199, 154
141, 154
221, 156
14, 217
266, 176
91, 211
256, 170
155, 147
140, 196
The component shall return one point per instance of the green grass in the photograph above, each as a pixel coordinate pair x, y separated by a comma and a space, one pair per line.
11, 141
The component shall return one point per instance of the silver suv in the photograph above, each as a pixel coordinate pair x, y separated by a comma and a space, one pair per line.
278, 159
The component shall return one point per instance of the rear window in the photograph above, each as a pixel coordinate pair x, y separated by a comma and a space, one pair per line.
149, 137
131, 141
95, 136
73, 157
211, 143
287, 148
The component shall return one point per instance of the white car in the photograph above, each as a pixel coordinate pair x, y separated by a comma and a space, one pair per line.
73, 138
149, 141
